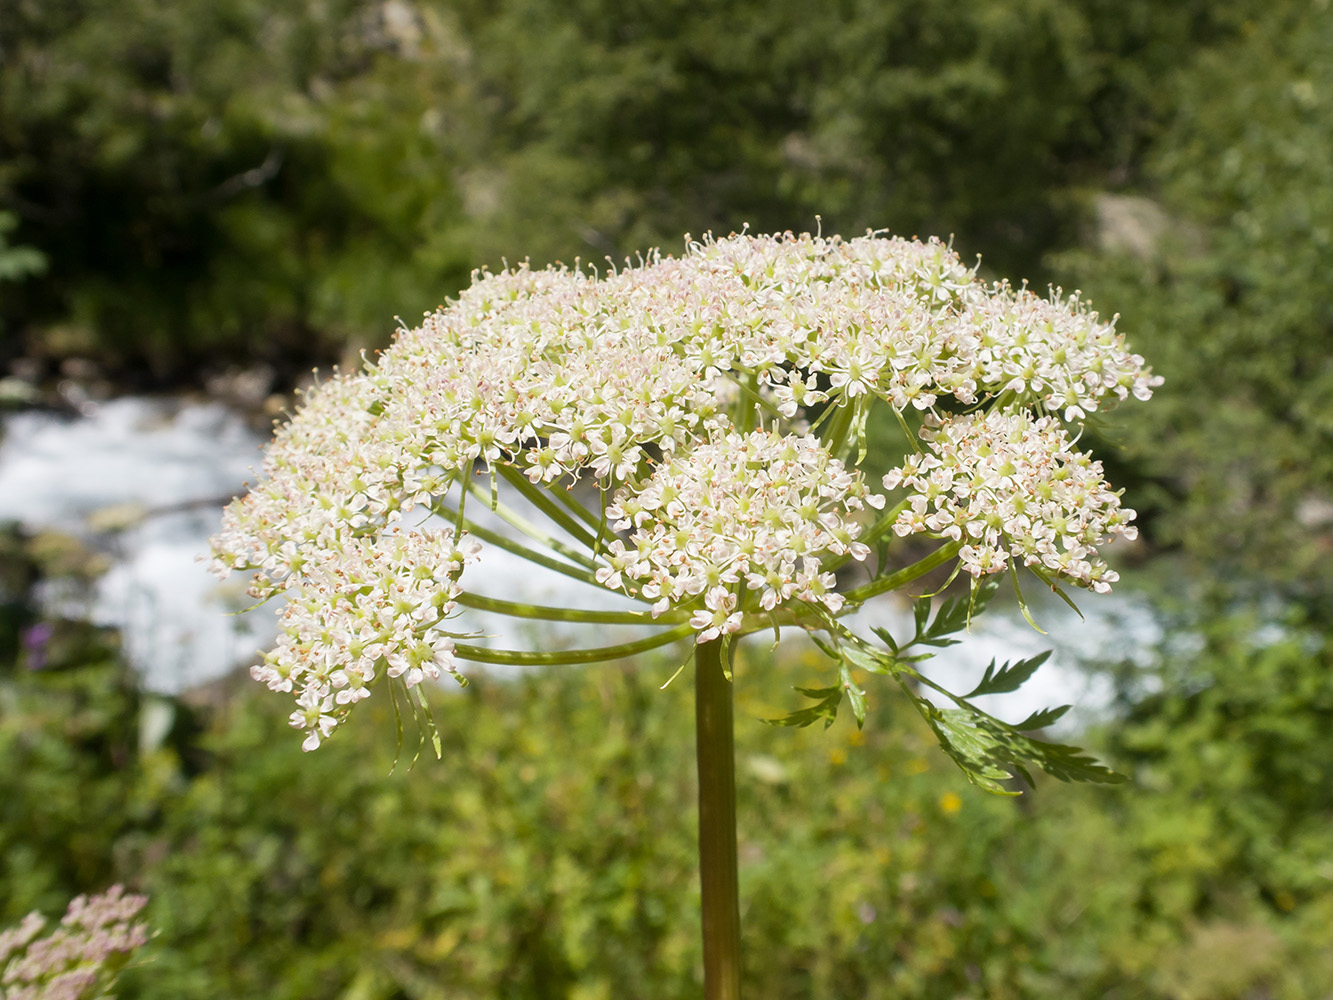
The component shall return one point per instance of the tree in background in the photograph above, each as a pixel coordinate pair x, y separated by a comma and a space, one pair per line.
284, 178
241, 180
1226, 275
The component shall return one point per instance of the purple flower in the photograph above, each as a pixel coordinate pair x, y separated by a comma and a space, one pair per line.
34, 640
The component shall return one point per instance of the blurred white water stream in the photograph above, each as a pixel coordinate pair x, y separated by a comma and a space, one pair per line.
144, 480
141, 479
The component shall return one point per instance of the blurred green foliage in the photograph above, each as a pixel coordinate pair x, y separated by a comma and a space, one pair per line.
246, 181
17, 263
239, 180
276, 181
1228, 291
551, 854
259, 180
653, 119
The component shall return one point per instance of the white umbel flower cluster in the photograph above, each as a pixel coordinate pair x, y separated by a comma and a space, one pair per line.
1011, 485
647, 380
363, 607
759, 509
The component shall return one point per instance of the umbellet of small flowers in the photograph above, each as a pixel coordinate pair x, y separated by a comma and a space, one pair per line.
94, 938
758, 509
649, 381
1011, 485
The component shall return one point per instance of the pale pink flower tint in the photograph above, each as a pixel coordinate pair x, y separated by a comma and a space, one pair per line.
76, 960
1012, 486
649, 381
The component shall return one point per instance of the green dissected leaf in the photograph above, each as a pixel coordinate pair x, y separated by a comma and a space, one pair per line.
953, 616
1009, 677
826, 708
964, 743
887, 638
1042, 718
855, 695
921, 614
858, 654
988, 751
848, 654
897, 656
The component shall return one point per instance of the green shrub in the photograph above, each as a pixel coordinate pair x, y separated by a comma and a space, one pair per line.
552, 853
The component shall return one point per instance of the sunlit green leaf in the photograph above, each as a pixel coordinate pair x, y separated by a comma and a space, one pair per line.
1042, 718
856, 697
826, 708
1009, 677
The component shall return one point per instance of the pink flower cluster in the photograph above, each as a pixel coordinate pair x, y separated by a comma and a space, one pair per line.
1009, 485
77, 960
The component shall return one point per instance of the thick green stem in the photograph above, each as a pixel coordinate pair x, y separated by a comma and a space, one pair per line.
716, 752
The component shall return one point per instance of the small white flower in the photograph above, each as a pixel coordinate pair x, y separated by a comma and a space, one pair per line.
718, 616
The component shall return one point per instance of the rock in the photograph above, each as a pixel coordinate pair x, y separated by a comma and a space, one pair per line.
1128, 224
117, 517
244, 387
